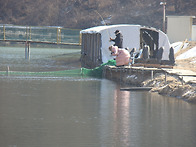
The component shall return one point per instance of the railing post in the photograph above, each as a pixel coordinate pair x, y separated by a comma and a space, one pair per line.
8, 69
29, 33
165, 77
27, 50
152, 75
58, 35
26, 34
3, 32
80, 41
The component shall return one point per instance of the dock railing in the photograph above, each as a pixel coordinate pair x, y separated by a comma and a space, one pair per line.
40, 34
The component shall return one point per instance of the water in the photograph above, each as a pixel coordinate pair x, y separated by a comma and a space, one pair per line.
41, 59
86, 112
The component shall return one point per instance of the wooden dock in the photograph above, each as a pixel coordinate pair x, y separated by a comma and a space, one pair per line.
187, 76
140, 73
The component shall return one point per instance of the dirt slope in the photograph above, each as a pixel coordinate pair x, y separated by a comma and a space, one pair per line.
190, 63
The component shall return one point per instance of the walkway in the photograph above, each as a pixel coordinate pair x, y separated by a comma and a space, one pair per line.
187, 76
46, 34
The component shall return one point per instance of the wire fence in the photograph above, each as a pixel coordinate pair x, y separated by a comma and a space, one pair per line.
58, 35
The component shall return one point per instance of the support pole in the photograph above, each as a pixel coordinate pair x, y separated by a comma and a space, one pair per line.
152, 75
165, 77
29, 33
8, 69
3, 32
164, 5
58, 36
27, 50
164, 18
182, 81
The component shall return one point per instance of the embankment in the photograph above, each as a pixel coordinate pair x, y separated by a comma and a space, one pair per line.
160, 80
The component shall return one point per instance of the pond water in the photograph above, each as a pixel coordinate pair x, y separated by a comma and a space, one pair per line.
84, 111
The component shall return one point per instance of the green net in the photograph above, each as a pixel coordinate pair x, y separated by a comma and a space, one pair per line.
96, 72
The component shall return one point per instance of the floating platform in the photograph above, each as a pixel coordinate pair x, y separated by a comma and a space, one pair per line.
136, 89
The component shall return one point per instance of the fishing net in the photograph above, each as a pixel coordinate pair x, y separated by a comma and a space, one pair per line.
96, 72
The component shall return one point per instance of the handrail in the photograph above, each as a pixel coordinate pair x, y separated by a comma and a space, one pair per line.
40, 34
45, 42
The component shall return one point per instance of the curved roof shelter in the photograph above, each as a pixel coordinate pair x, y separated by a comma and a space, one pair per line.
96, 40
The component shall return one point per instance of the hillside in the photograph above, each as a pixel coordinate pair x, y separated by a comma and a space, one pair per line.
83, 13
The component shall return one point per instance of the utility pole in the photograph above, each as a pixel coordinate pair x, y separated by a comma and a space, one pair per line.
164, 5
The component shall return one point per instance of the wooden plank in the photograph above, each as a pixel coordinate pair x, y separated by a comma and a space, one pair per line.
181, 72
136, 89
152, 65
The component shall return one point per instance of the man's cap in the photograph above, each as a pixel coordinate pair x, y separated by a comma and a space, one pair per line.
117, 31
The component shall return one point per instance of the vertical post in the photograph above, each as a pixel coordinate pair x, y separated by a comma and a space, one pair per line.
58, 39
164, 18
27, 50
152, 74
26, 56
26, 34
8, 69
80, 41
164, 5
59, 34
3, 32
182, 81
165, 77
29, 33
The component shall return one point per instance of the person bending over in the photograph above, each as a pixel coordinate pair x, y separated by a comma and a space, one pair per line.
122, 55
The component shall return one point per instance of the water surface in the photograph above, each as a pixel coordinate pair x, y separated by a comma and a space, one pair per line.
86, 112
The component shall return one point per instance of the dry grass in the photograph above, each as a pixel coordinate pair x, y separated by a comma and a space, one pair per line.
188, 64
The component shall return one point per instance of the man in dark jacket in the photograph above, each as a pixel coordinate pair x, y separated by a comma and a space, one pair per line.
118, 40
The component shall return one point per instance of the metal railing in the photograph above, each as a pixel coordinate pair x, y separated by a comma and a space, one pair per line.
55, 35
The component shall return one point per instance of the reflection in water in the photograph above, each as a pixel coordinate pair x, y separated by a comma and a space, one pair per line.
66, 111
145, 119
122, 116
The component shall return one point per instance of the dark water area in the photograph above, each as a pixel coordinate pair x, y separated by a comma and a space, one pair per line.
84, 111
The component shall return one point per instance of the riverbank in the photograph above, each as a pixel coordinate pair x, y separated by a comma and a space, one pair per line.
175, 84
179, 81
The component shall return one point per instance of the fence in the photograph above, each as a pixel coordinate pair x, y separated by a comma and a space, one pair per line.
57, 35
